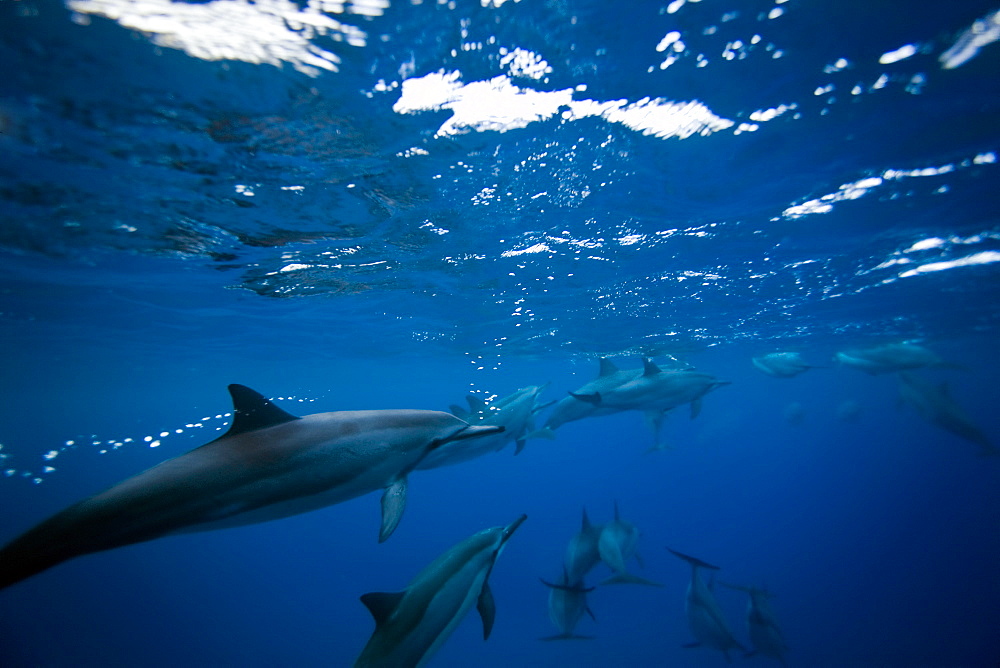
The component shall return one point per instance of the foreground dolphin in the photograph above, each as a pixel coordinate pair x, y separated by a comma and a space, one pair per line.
567, 603
705, 618
413, 624
765, 634
269, 465
515, 413
782, 365
582, 552
891, 357
934, 404
616, 545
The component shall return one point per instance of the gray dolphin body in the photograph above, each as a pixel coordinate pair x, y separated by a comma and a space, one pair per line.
889, 358
515, 413
935, 404
269, 465
567, 605
616, 545
582, 552
782, 365
656, 391
413, 624
765, 634
705, 618
572, 408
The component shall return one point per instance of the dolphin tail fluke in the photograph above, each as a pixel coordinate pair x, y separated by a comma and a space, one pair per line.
628, 578
697, 563
566, 636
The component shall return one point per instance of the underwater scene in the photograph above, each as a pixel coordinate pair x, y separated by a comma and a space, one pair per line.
490, 333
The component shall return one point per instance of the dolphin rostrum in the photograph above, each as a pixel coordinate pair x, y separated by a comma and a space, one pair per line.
413, 624
705, 618
765, 634
616, 544
515, 413
567, 603
268, 465
935, 404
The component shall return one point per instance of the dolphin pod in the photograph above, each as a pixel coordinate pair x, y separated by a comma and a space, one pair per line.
269, 465
412, 624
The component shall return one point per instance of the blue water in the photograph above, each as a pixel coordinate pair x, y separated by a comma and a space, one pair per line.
179, 214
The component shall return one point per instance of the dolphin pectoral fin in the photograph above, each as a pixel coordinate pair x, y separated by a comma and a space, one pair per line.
593, 398
393, 504
487, 608
695, 408
519, 445
382, 604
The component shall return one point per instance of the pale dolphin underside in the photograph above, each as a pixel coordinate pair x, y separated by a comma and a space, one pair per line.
269, 465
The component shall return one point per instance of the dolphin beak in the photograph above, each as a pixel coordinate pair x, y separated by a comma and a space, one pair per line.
473, 431
512, 527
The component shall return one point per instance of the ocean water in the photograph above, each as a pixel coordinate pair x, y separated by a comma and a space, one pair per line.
385, 204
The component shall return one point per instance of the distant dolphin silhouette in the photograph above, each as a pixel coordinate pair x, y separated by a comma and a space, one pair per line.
567, 604
782, 365
935, 404
616, 545
891, 357
582, 552
765, 634
269, 465
413, 624
705, 618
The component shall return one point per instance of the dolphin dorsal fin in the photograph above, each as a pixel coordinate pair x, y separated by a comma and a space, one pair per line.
649, 368
253, 411
382, 604
607, 368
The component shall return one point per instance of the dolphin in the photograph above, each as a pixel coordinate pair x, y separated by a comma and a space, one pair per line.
270, 464
656, 391
515, 413
935, 404
616, 544
782, 365
582, 552
765, 634
413, 624
573, 408
567, 603
705, 618
891, 357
